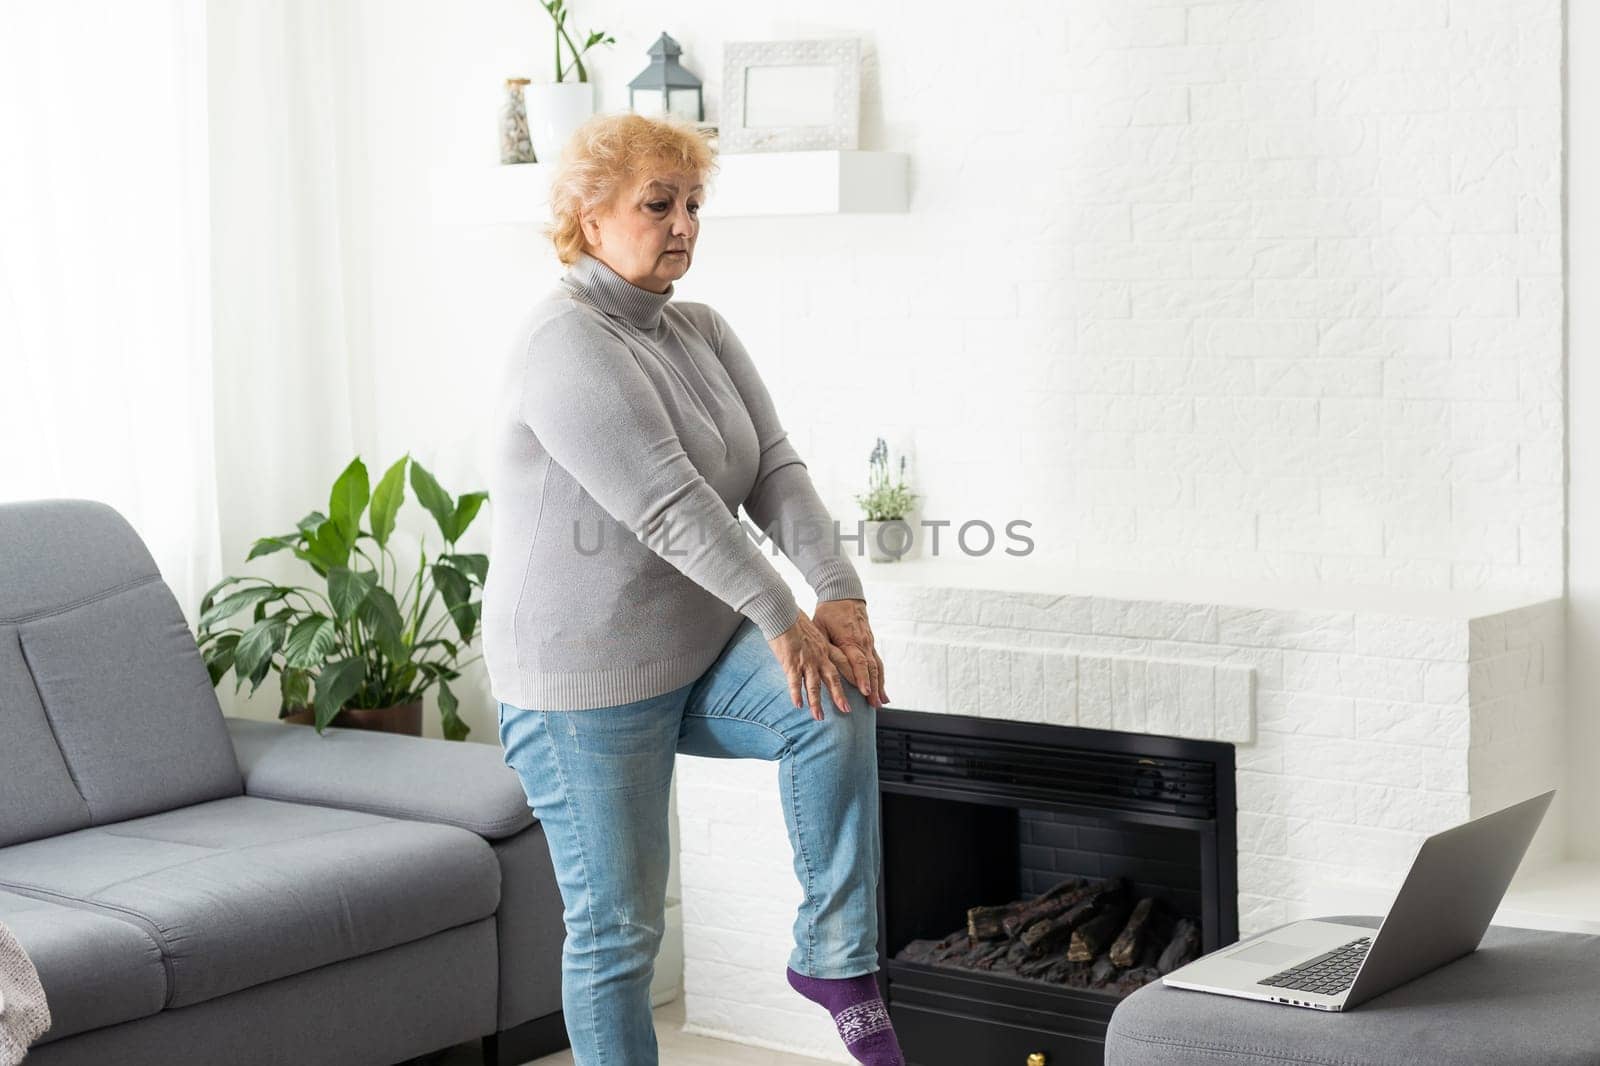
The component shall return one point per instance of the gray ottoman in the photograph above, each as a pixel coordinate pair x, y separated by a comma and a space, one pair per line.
1524, 998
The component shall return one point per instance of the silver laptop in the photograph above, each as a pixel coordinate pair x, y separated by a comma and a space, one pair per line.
1455, 885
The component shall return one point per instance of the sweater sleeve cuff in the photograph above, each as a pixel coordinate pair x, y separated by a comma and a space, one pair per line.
836, 579
774, 611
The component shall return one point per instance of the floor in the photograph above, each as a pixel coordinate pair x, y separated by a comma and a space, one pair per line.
677, 1048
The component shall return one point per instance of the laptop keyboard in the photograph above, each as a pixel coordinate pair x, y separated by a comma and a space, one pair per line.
1328, 974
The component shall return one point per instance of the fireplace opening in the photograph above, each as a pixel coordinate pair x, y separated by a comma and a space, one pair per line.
1035, 874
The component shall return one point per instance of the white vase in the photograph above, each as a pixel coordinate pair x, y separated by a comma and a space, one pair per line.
890, 541
555, 109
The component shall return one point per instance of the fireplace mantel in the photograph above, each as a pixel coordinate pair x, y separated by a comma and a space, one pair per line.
998, 573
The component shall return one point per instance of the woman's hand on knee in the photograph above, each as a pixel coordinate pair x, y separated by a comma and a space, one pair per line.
844, 623
810, 661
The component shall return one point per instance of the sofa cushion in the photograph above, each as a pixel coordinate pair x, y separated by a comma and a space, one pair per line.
60, 552
244, 890
96, 969
466, 785
131, 704
1525, 998
37, 796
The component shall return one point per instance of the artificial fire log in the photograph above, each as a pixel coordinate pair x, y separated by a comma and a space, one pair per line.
1102, 971
1061, 888
1037, 910
1092, 935
1063, 970
980, 950
1086, 902
917, 951
1183, 947
986, 923
1043, 937
1077, 976
1095, 935
954, 947
1143, 923
993, 954
1133, 980
1036, 967
983, 923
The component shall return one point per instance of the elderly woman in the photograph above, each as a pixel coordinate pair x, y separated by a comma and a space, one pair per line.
629, 616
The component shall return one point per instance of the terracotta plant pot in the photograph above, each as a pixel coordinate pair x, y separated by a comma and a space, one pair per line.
403, 718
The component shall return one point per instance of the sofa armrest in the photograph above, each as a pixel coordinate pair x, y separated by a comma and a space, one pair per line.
455, 783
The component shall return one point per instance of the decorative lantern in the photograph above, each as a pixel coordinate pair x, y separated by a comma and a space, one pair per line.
664, 87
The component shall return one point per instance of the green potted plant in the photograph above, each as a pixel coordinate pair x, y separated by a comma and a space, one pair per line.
556, 108
886, 503
356, 651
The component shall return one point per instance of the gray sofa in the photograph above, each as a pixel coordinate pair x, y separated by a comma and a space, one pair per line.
199, 889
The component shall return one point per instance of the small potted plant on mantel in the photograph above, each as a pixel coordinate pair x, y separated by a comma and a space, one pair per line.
886, 503
557, 108
368, 653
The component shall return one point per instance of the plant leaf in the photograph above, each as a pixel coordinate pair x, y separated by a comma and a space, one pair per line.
380, 614
235, 602
349, 498
308, 525
335, 685
257, 646
309, 642
450, 723
475, 564
329, 547
295, 686
268, 545
466, 510
347, 588
259, 674
219, 657
435, 499
456, 590
386, 500
211, 593
312, 561
400, 680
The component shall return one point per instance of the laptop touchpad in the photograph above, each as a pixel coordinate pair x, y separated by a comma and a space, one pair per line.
1269, 952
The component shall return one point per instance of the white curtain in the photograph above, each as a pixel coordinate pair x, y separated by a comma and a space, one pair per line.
183, 270
293, 379
105, 330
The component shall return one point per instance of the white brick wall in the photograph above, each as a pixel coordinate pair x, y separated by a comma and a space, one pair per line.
1266, 290
1262, 289
1519, 735
1359, 729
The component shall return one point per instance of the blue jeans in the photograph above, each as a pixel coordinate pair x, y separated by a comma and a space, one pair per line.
598, 779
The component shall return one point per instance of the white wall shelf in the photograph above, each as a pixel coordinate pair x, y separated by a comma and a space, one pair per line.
752, 184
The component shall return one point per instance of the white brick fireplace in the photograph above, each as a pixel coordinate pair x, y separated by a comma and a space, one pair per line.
1363, 720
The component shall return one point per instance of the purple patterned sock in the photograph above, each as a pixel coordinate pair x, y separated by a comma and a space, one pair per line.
858, 1013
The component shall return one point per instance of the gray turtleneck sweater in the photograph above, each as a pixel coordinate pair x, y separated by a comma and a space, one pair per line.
628, 429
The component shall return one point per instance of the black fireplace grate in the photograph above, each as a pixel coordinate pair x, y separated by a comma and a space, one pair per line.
1091, 778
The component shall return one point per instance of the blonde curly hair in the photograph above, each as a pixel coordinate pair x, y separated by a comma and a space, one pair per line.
608, 152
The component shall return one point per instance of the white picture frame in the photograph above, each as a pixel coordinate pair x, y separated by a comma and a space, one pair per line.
790, 96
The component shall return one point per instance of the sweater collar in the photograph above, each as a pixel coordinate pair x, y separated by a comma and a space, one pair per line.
596, 283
